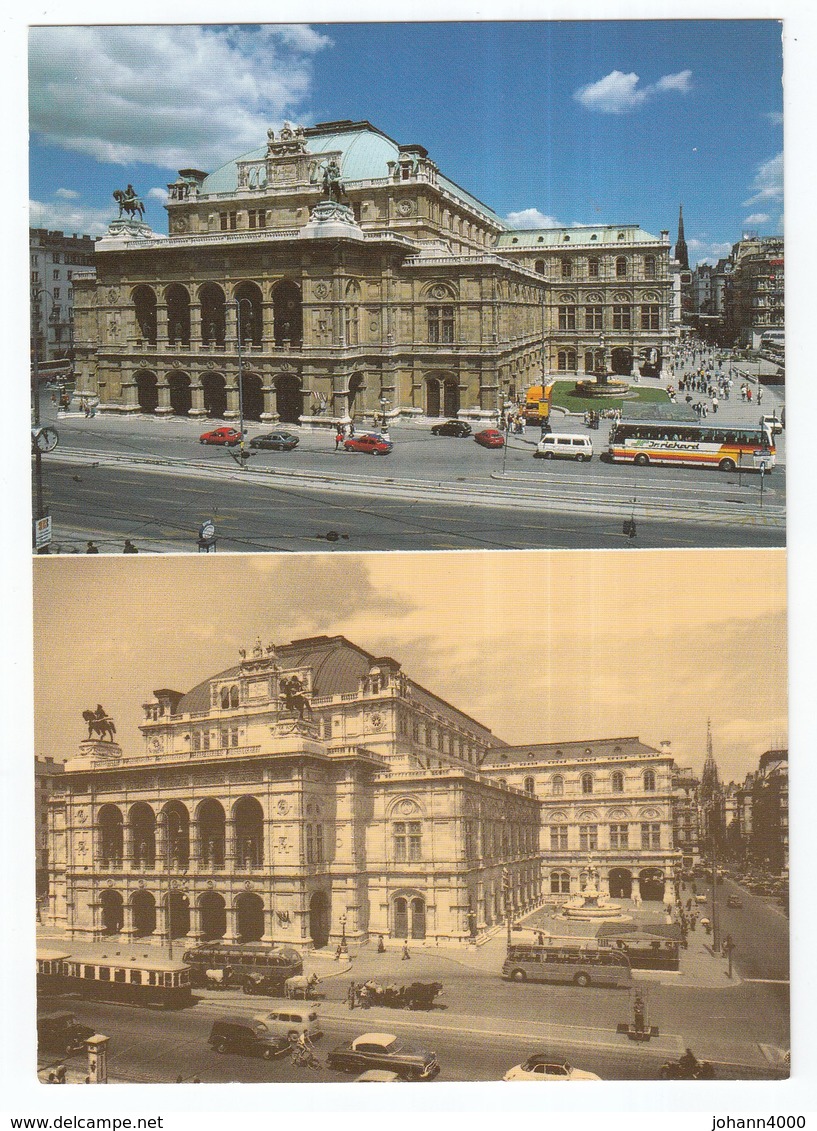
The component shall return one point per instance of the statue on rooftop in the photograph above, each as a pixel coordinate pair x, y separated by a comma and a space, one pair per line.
99, 722
332, 184
129, 201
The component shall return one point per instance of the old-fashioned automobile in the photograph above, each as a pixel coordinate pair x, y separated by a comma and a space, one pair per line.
384, 1050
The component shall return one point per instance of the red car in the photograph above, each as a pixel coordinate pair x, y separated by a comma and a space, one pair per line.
369, 442
490, 438
224, 435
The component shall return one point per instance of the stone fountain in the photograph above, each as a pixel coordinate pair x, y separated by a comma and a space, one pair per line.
591, 906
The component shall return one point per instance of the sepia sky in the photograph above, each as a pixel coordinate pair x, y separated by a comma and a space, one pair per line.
537, 646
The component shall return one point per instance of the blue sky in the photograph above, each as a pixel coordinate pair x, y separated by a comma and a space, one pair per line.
549, 123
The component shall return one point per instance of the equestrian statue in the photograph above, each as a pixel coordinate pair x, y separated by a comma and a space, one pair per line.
293, 697
129, 202
99, 722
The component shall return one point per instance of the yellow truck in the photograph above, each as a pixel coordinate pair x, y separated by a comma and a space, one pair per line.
537, 403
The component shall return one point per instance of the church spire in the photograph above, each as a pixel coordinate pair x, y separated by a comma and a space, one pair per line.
710, 780
681, 253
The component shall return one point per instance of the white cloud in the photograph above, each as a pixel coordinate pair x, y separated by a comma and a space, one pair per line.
64, 216
67, 194
682, 82
168, 95
707, 251
618, 93
531, 218
768, 182
158, 193
757, 218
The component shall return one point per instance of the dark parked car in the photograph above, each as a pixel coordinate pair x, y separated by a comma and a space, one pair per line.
276, 441
384, 1050
61, 1032
451, 428
248, 1036
224, 435
733, 901
369, 442
490, 438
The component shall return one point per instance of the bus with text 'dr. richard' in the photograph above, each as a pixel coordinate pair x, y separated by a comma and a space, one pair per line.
728, 447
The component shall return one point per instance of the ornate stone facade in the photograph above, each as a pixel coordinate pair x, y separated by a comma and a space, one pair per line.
358, 808
612, 799
411, 297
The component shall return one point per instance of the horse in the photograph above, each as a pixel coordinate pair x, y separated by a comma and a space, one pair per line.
99, 726
293, 698
301, 986
129, 204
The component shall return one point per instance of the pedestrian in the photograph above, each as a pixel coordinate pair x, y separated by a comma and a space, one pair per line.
759, 394
405, 955
714, 404
91, 548
748, 395
381, 946
351, 995
129, 547
60, 1073
338, 952
363, 996
338, 438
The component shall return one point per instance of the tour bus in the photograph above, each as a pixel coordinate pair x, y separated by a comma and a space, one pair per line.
139, 981
692, 444
644, 950
272, 964
578, 965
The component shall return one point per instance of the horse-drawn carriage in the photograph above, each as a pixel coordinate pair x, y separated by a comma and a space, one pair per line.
415, 995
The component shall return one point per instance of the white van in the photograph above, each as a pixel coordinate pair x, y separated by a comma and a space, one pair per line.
563, 445
288, 1017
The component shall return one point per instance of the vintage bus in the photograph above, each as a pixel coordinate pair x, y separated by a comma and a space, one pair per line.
580, 965
644, 949
692, 444
247, 963
139, 981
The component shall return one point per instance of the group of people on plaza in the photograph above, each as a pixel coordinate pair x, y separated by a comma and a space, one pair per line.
700, 369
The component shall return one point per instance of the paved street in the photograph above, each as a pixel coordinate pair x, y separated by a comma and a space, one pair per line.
482, 1025
150, 480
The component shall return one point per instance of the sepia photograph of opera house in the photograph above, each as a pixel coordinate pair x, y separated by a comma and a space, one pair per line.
311, 787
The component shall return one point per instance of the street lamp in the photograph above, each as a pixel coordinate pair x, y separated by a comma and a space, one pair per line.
242, 454
342, 920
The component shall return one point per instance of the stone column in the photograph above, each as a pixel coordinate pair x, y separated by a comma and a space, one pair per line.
195, 931
270, 413
231, 934
127, 920
197, 396
267, 326
230, 854
232, 412
130, 397
195, 325
163, 409
269, 925
161, 324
